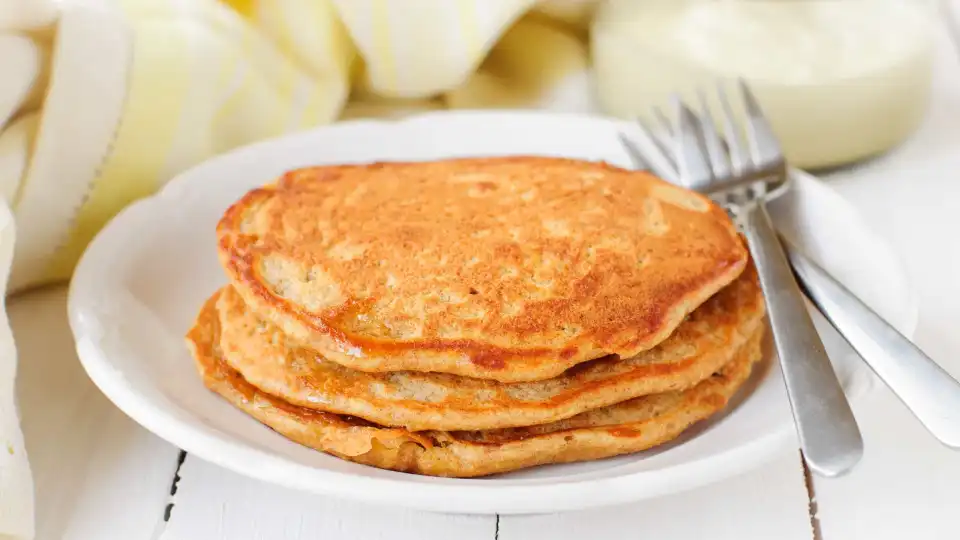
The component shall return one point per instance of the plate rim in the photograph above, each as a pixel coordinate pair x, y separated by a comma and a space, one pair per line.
210, 445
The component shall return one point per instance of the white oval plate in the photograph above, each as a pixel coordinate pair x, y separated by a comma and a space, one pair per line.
142, 280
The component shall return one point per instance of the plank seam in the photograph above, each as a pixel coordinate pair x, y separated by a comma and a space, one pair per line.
171, 498
812, 500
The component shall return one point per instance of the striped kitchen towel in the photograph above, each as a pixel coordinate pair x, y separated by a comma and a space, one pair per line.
103, 101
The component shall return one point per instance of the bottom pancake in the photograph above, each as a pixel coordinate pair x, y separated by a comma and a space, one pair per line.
630, 426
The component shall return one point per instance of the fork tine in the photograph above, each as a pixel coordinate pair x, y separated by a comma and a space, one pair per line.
659, 141
739, 159
665, 123
719, 161
763, 143
694, 169
654, 158
636, 156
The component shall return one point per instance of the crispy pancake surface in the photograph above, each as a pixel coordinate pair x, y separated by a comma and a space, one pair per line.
626, 427
507, 268
267, 359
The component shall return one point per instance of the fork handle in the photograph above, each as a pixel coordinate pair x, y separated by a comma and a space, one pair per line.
921, 384
829, 437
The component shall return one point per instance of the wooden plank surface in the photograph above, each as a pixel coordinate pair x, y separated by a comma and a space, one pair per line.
213, 503
98, 475
768, 502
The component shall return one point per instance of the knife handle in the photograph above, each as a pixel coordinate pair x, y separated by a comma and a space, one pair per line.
931, 394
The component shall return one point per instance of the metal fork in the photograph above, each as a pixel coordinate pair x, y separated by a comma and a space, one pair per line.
740, 180
925, 388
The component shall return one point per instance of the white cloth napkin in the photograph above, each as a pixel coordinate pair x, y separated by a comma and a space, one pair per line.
16, 482
21, 76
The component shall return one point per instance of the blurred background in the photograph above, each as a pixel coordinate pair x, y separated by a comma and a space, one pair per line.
103, 101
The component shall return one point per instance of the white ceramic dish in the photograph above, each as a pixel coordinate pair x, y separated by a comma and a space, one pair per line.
142, 280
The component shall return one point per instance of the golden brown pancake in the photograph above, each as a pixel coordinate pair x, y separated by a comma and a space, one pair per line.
506, 268
631, 426
266, 358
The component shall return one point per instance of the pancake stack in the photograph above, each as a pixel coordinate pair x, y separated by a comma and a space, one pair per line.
468, 317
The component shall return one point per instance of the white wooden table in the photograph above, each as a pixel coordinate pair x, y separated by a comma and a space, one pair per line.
101, 476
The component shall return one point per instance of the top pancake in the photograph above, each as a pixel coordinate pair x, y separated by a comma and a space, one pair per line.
512, 269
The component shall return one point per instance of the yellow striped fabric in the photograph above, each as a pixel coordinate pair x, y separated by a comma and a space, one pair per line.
170, 83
